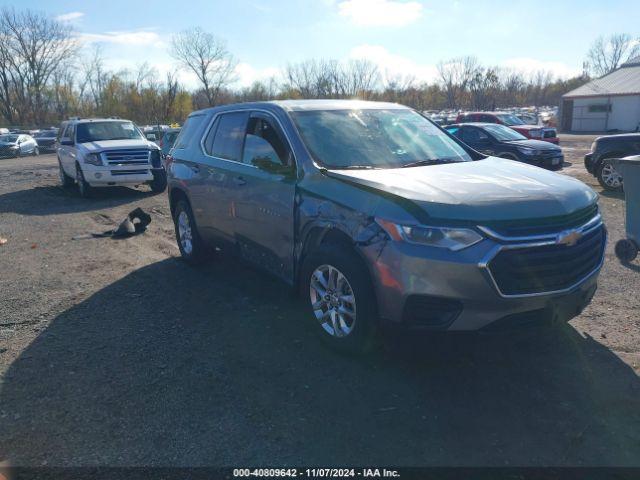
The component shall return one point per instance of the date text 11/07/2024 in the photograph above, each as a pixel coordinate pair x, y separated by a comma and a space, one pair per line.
316, 472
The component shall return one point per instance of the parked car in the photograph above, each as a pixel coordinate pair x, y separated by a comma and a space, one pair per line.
503, 142
46, 140
379, 217
603, 149
167, 140
535, 132
102, 152
17, 145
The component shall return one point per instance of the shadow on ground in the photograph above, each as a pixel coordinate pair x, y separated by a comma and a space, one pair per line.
217, 366
54, 200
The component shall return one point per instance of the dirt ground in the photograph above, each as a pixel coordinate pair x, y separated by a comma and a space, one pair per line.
114, 352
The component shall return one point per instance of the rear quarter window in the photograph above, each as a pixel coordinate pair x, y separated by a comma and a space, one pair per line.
190, 128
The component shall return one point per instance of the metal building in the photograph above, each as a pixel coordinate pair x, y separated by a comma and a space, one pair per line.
609, 103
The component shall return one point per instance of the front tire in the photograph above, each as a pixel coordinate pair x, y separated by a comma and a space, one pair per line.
65, 180
192, 248
608, 177
36, 152
159, 182
85, 190
340, 298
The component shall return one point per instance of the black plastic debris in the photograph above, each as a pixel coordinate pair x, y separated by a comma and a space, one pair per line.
135, 223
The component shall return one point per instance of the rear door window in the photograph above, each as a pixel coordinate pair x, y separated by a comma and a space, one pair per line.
229, 135
191, 126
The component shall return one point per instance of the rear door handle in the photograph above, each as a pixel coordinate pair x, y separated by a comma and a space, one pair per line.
195, 168
239, 181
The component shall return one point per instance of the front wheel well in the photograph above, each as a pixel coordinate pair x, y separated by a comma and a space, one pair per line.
175, 195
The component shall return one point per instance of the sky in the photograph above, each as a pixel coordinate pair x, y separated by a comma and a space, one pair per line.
403, 37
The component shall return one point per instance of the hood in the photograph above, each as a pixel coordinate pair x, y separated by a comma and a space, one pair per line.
537, 144
487, 190
117, 144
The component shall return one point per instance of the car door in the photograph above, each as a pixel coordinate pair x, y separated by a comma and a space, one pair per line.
66, 153
263, 191
222, 146
477, 139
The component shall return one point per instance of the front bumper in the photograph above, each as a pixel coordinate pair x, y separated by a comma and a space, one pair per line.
588, 163
110, 176
459, 285
545, 161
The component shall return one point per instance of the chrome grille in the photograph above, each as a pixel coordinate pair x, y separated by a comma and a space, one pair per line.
126, 157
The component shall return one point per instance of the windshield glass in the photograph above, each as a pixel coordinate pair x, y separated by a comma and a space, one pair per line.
375, 139
509, 119
504, 134
46, 134
9, 138
97, 131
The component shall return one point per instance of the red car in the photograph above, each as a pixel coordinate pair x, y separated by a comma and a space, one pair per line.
535, 132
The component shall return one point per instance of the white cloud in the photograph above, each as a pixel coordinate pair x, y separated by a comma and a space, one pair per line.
380, 13
69, 17
531, 65
392, 65
247, 74
132, 38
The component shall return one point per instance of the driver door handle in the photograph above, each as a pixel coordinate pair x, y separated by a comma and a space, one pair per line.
239, 181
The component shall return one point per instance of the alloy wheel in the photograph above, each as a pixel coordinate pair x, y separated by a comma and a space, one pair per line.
185, 233
333, 301
610, 176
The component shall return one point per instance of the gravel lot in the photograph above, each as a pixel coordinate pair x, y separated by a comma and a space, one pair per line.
114, 352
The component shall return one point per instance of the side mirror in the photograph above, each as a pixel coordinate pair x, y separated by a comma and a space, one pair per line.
66, 141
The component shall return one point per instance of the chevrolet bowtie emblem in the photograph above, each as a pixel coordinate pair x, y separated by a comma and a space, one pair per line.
569, 238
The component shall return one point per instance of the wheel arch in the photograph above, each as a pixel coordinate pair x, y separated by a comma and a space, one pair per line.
175, 195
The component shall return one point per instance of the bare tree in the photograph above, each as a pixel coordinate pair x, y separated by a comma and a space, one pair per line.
607, 54
34, 46
455, 75
206, 56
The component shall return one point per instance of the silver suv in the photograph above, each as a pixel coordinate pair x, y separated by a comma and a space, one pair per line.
379, 217
102, 152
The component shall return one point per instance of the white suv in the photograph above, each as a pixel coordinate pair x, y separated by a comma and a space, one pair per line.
102, 152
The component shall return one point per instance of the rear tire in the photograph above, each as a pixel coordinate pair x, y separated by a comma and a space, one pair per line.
354, 316
192, 249
626, 250
608, 177
85, 190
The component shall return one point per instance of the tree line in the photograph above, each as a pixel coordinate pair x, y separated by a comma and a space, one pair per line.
47, 75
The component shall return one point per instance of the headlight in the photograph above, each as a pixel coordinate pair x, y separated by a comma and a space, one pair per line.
453, 239
527, 151
93, 159
535, 133
14, 147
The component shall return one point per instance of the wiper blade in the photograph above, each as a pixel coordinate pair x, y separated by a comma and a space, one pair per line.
355, 167
419, 163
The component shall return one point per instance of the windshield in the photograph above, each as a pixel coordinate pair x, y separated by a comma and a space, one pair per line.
504, 134
375, 139
46, 134
97, 131
9, 138
509, 119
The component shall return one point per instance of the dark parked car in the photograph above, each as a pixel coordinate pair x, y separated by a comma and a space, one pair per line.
605, 148
46, 140
501, 141
535, 132
379, 217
